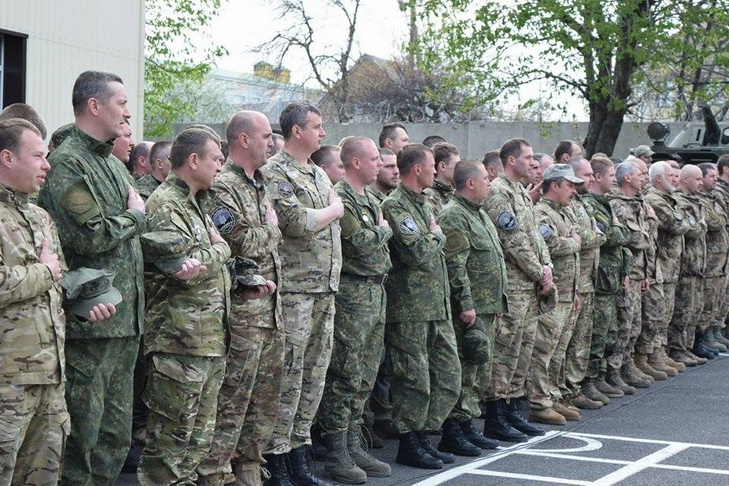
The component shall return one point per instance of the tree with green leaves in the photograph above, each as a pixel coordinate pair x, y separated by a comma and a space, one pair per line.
594, 49
177, 51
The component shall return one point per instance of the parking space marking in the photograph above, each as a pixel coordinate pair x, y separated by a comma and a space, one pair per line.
639, 465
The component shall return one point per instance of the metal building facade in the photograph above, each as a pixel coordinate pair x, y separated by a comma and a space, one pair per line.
67, 37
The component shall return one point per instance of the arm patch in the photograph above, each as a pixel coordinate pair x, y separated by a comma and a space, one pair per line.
224, 220
546, 232
506, 221
408, 226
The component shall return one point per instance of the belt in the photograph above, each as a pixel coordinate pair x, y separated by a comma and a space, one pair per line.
375, 279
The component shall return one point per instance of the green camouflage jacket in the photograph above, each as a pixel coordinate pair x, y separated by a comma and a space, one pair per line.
439, 195
86, 194
474, 258
717, 242
590, 244
417, 289
146, 185
693, 259
32, 323
672, 225
186, 317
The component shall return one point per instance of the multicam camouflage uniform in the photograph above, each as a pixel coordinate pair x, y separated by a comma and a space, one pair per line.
689, 291
555, 325
250, 397
672, 225
717, 247
86, 193
146, 185
34, 422
578, 351
722, 191
426, 372
511, 211
185, 338
439, 195
477, 275
613, 266
311, 262
359, 324
652, 301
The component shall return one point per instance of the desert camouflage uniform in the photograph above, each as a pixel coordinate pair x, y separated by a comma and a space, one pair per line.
652, 301
672, 225
426, 372
717, 247
689, 291
359, 324
555, 325
722, 191
311, 262
86, 193
34, 422
511, 211
614, 264
185, 339
631, 212
477, 275
439, 195
250, 397
146, 185
578, 351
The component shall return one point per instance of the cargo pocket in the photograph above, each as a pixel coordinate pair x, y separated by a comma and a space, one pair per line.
242, 351
174, 387
9, 442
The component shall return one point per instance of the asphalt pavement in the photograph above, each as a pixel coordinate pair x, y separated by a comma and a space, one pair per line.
674, 433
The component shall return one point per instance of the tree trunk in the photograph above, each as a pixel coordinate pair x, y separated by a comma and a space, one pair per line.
603, 129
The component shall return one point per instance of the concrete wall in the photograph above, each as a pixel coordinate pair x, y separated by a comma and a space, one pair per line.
476, 138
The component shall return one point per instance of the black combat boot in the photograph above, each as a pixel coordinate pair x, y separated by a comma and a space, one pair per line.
427, 446
276, 467
516, 419
411, 453
475, 438
299, 470
497, 427
454, 441
700, 349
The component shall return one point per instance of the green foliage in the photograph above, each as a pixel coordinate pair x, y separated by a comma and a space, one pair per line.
175, 31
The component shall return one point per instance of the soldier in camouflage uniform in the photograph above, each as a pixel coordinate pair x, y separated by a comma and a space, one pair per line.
249, 398
308, 210
426, 371
689, 291
33, 413
159, 162
722, 191
185, 321
477, 275
560, 231
446, 157
672, 225
629, 208
92, 200
529, 273
612, 275
359, 323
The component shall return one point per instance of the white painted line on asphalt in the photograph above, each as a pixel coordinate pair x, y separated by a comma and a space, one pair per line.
639, 465
650, 441
527, 452
590, 444
544, 479
691, 469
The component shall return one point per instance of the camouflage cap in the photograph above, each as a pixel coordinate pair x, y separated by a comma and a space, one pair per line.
167, 250
476, 344
243, 271
561, 171
87, 287
643, 151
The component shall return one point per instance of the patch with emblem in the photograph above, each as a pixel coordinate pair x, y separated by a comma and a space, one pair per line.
601, 226
365, 218
506, 221
692, 220
545, 231
285, 189
408, 226
224, 220
678, 215
79, 201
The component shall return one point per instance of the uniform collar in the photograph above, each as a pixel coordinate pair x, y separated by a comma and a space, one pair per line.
179, 184
467, 204
418, 197
443, 187
236, 169
102, 149
12, 196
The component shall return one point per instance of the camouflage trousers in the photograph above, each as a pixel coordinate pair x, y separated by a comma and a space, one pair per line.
182, 395
714, 292
689, 305
653, 314
380, 402
513, 345
34, 425
604, 330
474, 378
359, 340
308, 323
426, 373
540, 383
577, 357
248, 401
669, 300
99, 392
629, 323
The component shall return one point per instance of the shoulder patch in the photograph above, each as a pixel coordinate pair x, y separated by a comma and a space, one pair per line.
285, 189
678, 215
506, 221
408, 226
601, 227
545, 231
223, 220
79, 201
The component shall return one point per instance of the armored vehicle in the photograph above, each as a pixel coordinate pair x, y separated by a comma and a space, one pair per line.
701, 141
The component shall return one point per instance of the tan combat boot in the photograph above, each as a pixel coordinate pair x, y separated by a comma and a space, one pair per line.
211, 480
615, 379
339, 464
546, 416
248, 474
631, 377
569, 414
607, 389
641, 362
677, 365
372, 466
655, 362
